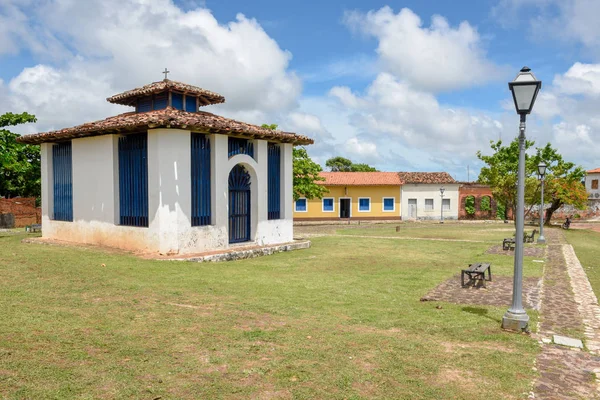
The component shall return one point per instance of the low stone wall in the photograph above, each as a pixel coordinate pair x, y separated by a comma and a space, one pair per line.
24, 210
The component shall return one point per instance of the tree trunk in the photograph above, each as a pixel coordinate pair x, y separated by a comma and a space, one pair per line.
555, 205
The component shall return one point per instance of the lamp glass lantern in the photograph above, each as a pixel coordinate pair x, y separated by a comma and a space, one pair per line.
542, 169
525, 89
442, 189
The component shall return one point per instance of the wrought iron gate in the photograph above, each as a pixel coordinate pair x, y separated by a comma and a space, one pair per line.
239, 205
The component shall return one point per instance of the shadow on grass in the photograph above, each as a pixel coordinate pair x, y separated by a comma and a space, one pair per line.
483, 312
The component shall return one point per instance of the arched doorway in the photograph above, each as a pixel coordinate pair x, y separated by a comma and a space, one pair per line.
239, 205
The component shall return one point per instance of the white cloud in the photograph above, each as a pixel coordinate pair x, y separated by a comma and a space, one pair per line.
114, 45
438, 57
580, 79
565, 20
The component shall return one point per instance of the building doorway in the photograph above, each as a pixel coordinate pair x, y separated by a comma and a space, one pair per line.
412, 208
344, 208
239, 205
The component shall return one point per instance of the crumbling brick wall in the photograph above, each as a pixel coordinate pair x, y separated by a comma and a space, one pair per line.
24, 210
478, 191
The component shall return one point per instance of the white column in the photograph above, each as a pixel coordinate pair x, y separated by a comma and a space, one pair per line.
287, 181
169, 186
47, 184
219, 179
262, 199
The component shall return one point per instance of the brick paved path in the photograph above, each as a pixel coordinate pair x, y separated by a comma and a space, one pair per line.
565, 373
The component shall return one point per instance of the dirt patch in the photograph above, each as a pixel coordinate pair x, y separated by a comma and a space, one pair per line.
528, 250
458, 377
498, 293
453, 347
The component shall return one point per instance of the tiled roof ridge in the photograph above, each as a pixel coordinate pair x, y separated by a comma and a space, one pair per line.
593, 171
166, 118
206, 96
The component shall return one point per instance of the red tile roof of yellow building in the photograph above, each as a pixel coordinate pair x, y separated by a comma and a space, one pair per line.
594, 171
360, 178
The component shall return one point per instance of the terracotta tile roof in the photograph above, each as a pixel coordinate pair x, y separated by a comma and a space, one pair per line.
594, 171
206, 97
426, 177
166, 118
360, 178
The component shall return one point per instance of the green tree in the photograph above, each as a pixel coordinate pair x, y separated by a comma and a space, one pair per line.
306, 173
562, 178
563, 181
306, 176
19, 163
362, 168
339, 164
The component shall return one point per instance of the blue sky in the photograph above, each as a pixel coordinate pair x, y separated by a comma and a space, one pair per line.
403, 85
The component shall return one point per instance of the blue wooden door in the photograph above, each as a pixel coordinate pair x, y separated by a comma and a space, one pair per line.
239, 205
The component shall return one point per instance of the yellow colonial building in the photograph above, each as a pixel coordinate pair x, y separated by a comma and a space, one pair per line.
356, 195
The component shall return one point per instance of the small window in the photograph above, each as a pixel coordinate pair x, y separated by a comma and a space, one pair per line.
328, 204
161, 101
301, 205
364, 204
428, 204
389, 204
446, 204
177, 101
144, 104
190, 104
594, 183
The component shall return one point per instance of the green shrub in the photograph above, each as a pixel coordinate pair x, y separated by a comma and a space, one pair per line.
470, 205
485, 204
500, 211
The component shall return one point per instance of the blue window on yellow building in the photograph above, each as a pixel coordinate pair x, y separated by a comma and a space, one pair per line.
364, 204
388, 204
328, 204
301, 205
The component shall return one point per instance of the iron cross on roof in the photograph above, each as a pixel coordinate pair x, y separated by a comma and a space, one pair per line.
166, 72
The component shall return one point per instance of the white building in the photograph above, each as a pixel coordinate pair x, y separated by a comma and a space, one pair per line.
421, 197
166, 177
591, 184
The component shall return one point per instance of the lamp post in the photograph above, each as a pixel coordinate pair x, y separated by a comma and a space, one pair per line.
524, 90
442, 205
542, 173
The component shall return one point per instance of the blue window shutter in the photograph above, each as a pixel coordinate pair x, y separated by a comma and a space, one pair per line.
133, 180
177, 101
301, 205
364, 204
274, 181
190, 104
144, 104
240, 146
388, 204
62, 166
201, 180
327, 204
161, 101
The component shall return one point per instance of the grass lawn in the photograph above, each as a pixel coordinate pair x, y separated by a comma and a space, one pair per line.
587, 247
341, 320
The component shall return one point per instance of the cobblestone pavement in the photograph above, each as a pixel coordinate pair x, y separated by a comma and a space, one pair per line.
564, 373
498, 292
529, 250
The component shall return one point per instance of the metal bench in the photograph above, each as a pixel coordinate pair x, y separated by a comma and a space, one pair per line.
508, 244
529, 238
476, 271
34, 228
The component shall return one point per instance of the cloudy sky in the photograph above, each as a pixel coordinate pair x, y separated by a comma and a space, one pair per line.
416, 85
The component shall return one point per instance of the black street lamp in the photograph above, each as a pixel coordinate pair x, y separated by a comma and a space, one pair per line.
525, 89
542, 172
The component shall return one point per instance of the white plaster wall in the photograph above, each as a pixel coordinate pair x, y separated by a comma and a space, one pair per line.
96, 196
429, 191
592, 193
